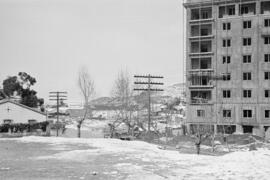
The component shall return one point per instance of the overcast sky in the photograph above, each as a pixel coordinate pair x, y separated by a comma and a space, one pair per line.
52, 39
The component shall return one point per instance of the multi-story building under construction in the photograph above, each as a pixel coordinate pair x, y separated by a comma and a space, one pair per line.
228, 65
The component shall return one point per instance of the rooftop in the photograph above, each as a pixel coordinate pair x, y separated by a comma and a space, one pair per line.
188, 3
3, 101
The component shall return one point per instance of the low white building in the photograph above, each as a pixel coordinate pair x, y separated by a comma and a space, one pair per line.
14, 112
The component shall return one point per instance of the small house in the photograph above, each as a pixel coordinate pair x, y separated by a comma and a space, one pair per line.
12, 112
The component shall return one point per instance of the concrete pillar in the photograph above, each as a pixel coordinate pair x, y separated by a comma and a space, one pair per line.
239, 129
237, 9
215, 129
258, 7
215, 12
188, 128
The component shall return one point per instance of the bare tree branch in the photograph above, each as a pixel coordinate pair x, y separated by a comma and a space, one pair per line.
122, 92
87, 89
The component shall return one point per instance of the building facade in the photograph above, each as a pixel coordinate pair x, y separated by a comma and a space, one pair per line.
12, 112
228, 65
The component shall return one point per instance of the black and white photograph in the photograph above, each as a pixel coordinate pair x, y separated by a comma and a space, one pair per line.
134, 89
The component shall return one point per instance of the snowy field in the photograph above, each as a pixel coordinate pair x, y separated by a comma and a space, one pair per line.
70, 158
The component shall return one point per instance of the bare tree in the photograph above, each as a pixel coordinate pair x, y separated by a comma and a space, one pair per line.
87, 89
123, 93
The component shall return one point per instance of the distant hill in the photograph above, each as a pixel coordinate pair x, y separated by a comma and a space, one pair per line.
169, 93
175, 90
102, 100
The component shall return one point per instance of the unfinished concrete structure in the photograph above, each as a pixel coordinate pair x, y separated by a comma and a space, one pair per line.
228, 65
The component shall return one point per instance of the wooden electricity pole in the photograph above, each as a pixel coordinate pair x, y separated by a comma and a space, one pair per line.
57, 96
149, 83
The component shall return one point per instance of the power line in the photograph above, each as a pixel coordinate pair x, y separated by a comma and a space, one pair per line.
149, 89
57, 96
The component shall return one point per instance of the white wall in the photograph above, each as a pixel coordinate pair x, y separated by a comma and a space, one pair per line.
18, 114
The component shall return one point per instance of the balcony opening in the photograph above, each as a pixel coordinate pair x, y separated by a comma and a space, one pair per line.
247, 9
203, 13
206, 46
195, 63
201, 30
195, 30
201, 47
226, 11
206, 63
201, 63
200, 97
201, 79
265, 7
205, 80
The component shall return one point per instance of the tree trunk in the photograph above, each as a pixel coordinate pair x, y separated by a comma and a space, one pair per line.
226, 139
79, 131
213, 142
132, 131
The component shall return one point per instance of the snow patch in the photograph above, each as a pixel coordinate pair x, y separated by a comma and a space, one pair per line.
236, 165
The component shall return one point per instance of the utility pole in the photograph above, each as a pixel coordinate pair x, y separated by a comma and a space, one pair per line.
149, 89
57, 96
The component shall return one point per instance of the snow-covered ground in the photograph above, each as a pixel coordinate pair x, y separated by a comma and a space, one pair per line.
141, 160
